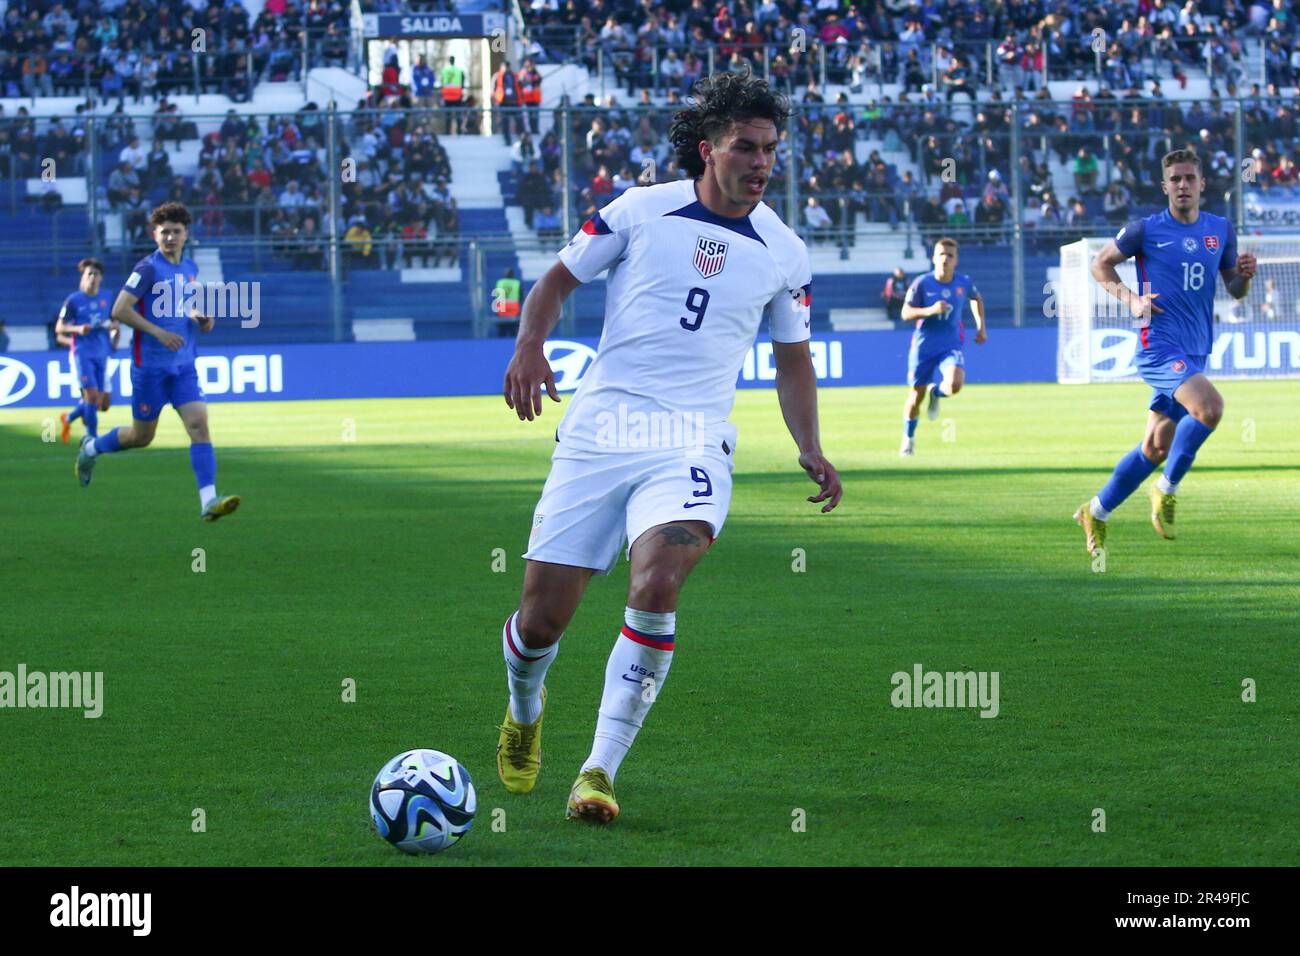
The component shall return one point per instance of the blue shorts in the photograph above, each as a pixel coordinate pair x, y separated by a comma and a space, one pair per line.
152, 388
1164, 370
924, 371
91, 372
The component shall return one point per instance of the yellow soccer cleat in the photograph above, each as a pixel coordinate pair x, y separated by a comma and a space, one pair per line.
1162, 513
1094, 528
592, 798
519, 752
220, 507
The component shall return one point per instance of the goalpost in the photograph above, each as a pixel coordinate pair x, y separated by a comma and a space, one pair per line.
1256, 337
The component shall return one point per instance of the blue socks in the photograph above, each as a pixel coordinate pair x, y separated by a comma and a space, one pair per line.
204, 462
76, 411
91, 415
1189, 436
1131, 471
1133, 468
107, 443
202, 459
909, 427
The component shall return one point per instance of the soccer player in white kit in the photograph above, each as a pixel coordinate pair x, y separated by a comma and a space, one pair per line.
644, 453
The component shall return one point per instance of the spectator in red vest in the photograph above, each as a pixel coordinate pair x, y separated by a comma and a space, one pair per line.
530, 93
506, 98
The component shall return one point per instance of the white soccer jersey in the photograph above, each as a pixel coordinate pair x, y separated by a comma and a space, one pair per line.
686, 291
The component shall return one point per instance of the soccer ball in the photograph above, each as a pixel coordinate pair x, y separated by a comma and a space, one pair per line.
423, 801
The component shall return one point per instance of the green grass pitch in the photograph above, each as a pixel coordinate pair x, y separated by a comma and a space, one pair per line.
372, 560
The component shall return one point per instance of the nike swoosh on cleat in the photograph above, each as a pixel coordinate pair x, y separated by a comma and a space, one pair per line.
696, 504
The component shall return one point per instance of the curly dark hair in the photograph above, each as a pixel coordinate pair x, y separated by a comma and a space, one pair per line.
170, 212
717, 102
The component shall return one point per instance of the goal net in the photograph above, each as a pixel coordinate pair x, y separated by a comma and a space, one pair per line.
1256, 337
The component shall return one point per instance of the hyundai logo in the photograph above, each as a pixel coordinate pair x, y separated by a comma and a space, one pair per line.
569, 361
16, 380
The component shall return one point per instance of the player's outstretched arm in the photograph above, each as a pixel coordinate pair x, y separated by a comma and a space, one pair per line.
1237, 279
125, 313
71, 328
62, 327
913, 312
796, 389
528, 370
1103, 270
981, 329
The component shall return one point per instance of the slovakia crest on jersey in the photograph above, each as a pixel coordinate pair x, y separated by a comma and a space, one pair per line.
710, 256
1212, 243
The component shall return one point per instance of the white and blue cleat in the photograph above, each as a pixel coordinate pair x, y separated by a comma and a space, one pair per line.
85, 463
932, 407
220, 506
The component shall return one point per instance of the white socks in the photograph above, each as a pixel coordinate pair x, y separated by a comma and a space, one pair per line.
634, 677
1098, 512
1166, 486
206, 494
525, 672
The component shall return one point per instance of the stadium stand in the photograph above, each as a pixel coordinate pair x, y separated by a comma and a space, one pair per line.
912, 121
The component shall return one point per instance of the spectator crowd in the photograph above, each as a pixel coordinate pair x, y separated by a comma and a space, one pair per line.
266, 174
145, 49
946, 114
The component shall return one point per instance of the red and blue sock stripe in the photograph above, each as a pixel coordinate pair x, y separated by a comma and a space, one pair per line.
515, 647
660, 642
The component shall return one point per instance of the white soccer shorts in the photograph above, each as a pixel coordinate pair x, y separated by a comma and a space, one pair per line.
595, 502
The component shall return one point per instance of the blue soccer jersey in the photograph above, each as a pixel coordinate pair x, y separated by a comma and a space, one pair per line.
940, 333
82, 309
162, 288
1182, 263
422, 80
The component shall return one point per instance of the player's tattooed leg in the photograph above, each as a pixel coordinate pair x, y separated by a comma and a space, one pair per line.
676, 534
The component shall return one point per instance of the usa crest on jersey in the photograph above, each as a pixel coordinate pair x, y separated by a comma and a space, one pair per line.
710, 256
